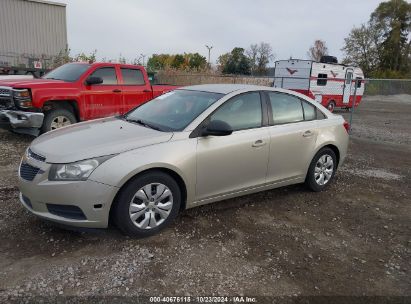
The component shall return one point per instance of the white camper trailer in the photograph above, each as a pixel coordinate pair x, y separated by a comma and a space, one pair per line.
329, 83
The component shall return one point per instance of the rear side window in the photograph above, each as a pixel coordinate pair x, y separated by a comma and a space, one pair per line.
241, 112
320, 115
132, 77
309, 111
322, 79
107, 74
286, 108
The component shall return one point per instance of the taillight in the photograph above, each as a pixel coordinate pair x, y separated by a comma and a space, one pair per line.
347, 126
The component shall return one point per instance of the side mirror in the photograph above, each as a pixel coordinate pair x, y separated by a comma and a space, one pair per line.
94, 80
217, 128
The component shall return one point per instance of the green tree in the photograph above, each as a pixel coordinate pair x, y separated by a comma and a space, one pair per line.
392, 21
237, 63
159, 62
90, 58
178, 61
197, 61
361, 49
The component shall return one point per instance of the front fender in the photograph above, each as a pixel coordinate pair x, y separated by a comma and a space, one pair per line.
178, 156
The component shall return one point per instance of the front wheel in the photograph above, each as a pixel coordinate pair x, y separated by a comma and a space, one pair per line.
322, 170
57, 118
147, 204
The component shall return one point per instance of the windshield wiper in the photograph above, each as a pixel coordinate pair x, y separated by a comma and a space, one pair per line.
143, 123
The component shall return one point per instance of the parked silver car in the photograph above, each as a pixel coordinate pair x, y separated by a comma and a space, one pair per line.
193, 146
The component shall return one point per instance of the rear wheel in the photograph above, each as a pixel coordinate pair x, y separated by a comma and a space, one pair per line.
322, 170
57, 118
147, 204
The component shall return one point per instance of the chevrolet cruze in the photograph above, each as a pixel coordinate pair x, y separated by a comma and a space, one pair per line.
189, 147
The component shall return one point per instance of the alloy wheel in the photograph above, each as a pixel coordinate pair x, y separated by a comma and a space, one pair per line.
151, 205
59, 121
323, 169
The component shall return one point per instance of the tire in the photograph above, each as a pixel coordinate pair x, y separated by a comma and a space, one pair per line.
317, 171
331, 106
140, 215
57, 118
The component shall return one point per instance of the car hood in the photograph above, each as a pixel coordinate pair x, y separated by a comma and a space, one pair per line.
95, 138
28, 82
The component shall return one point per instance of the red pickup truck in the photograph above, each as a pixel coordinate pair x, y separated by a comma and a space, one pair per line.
74, 92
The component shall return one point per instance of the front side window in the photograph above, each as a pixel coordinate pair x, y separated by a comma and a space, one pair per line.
241, 112
68, 72
107, 74
173, 111
286, 108
132, 77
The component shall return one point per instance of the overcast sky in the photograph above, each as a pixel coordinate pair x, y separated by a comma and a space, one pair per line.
132, 27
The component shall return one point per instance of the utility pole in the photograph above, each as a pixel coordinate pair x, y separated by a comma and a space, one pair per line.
209, 52
143, 56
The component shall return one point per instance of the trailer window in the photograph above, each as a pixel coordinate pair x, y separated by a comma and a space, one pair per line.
322, 79
359, 82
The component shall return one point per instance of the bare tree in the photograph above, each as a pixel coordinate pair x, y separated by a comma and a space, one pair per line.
318, 50
260, 56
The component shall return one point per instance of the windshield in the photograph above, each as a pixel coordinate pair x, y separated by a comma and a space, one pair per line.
68, 72
172, 111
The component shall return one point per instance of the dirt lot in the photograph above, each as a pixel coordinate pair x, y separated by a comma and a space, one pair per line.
353, 239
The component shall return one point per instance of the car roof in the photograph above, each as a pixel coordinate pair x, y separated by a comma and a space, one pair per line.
223, 88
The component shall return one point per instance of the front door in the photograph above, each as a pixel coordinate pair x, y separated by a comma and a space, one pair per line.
347, 86
102, 100
236, 162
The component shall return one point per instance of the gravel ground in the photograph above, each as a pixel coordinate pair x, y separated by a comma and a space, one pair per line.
354, 239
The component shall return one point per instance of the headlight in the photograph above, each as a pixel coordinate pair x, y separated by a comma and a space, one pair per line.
77, 171
22, 98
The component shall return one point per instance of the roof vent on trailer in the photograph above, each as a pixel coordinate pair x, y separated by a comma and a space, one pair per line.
328, 59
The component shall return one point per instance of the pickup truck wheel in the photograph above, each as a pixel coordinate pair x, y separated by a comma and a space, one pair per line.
147, 204
57, 118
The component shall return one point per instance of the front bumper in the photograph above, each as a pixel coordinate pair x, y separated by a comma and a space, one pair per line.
21, 122
93, 198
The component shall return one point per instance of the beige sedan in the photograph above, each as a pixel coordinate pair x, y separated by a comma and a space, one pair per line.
186, 148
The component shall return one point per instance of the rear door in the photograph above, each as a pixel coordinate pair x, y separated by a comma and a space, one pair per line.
293, 133
227, 164
136, 88
102, 100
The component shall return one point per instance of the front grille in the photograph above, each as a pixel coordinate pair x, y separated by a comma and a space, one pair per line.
67, 211
35, 156
5, 92
28, 172
5, 103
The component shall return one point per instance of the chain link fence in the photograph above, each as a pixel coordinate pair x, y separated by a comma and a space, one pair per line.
383, 106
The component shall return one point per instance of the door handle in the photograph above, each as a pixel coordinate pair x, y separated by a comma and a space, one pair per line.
146, 91
258, 143
116, 91
308, 133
